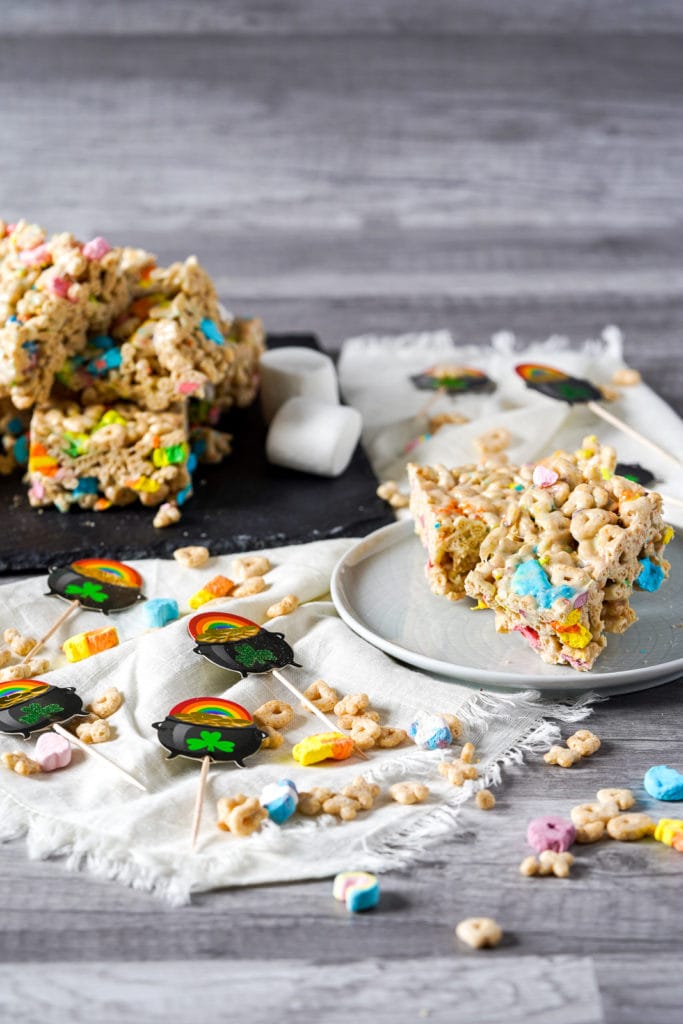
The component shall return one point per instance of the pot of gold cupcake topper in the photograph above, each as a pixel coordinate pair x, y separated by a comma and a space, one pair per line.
209, 729
31, 705
235, 643
577, 391
453, 380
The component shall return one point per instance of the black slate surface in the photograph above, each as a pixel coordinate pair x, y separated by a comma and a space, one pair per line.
243, 503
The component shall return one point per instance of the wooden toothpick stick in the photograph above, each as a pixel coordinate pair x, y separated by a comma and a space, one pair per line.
316, 711
39, 644
199, 802
609, 417
93, 752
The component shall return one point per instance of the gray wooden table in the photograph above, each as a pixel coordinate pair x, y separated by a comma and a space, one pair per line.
342, 168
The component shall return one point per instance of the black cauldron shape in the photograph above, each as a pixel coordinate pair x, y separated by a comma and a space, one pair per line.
454, 384
40, 710
572, 390
204, 739
94, 593
255, 654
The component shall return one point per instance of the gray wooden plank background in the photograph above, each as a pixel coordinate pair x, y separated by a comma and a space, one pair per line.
378, 166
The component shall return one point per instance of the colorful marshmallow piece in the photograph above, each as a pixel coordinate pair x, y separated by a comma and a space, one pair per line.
219, 586
430, 731
84, 645
453, 380
159, 611
280, 799
550, 833
323, 746
96, 248
664, 783
544, 477
670, 832
359, 890
651, 575
52, 751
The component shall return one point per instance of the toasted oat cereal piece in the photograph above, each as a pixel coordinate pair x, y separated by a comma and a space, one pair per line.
25, 669
98, 731
365, 732
284, 607
479, 932
343, 807
274, 739
352, 704
249, 567
623, 798
166, 515
453, 723
610, 394
362, 791
626, 377
497, 439
390, 737
254, 585
240, 814
311, 803
192, 557
457, 772
628, 827
445, 419
584, 743
529, 866
107, 703
5, 657
323, 696
602, 810
549, 862
346, 721
467, 753
18, 644
590, 832
485, 800
20, 763
389, 492
276, 713
562, 756
408, 792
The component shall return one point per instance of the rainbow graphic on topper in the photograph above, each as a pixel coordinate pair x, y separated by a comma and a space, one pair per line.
200, 627
202, 708
16, 690
538, 373
108, 570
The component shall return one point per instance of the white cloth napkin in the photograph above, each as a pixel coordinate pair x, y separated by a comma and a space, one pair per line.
101, 824
374, 375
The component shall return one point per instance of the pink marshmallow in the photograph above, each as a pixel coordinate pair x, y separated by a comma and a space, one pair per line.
96, 248
52, 751
60, 287
187, 387
35, 257
551, 833
544, 477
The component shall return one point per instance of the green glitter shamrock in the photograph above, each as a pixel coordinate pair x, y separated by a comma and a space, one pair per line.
250, 657
210, 741
32, 713
88, 591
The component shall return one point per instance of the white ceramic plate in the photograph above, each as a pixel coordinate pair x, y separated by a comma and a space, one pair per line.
380, 590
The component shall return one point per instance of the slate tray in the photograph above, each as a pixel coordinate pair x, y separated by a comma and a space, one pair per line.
243, 503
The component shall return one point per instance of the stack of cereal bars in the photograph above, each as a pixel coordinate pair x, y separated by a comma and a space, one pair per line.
113, 370
554, 548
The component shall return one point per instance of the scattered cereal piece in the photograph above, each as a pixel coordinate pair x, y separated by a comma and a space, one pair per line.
192, 557
667, 829
359, 890
311, 804
280, 800
628, 827
549, 862
467, 753
274, 740
219, 586
550, 833
562, 756
254, 585
321, 746
344, 807
249, 567
453, 723
94, 732
389, 492
5, 657
278, 714
584, 743
623, 798
479, 932
364, 732
610, 394
529, 867
322, 695
19, 762
159, 611
240, 815
664, 783
52, 751
603, 810
84, 645
107, 703
626, 377
590, 832
408, 792
345, 722
352, 704
362, 791
18, 644
284, 607
167, 515
485, 800
390, 737
457, 772
430, 731
444, 419
25, 670
497, 439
